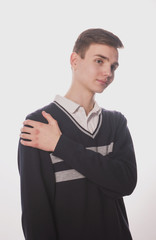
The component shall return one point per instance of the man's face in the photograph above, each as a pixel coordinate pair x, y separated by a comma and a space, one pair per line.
96, 71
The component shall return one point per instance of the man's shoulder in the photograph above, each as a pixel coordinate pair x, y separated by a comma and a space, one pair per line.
37, 115
114, 115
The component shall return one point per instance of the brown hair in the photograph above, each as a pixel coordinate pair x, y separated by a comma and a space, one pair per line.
93, 36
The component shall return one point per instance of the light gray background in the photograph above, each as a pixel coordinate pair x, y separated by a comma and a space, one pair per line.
35, 45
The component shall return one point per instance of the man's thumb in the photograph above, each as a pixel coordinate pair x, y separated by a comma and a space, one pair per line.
48, 117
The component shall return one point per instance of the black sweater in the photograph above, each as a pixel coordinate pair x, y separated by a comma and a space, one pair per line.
75, 193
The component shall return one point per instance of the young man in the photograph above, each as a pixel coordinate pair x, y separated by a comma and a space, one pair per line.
76, 159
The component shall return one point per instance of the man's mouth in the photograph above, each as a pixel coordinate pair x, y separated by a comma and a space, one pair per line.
104, 82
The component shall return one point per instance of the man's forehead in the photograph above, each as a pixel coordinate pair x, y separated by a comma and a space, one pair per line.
99, 48
102, 50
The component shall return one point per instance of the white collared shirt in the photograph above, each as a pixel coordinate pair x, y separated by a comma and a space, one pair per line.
88, 122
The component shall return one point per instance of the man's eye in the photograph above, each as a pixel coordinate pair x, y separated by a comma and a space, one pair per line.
99, 61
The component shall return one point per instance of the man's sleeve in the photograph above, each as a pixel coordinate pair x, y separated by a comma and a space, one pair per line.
37, 218
115, 173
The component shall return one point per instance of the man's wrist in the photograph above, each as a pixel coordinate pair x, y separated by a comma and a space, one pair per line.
57, 142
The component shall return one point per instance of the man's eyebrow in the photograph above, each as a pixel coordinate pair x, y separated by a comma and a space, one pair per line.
106, 58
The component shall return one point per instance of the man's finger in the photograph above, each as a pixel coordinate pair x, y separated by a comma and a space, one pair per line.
28, 143
26, 136
32, 123
27, 130
48, 117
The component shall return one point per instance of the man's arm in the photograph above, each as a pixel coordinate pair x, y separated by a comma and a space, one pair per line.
114, 173
37, 213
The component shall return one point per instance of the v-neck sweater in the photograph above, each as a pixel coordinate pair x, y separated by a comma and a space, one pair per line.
88, 122
77, 191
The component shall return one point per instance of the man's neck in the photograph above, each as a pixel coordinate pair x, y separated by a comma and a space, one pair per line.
84, 99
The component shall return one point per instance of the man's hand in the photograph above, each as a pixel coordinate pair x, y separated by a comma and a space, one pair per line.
40, 135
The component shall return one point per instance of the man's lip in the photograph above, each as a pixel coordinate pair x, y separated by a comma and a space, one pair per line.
102, 81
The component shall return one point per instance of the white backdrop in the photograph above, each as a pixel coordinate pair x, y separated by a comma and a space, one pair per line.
35, 45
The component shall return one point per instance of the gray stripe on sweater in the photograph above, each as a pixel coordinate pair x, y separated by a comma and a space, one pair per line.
72, 174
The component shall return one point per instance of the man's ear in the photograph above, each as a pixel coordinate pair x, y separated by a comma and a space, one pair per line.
74, 58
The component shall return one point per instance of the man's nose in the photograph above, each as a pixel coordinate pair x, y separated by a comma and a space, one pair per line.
107, 71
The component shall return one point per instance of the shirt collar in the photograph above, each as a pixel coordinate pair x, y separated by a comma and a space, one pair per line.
66, 103
72, 107
96, 109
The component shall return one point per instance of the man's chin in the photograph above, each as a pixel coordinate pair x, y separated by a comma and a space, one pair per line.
101, 90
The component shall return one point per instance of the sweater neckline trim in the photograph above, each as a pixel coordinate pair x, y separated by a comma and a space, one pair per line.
92, 135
